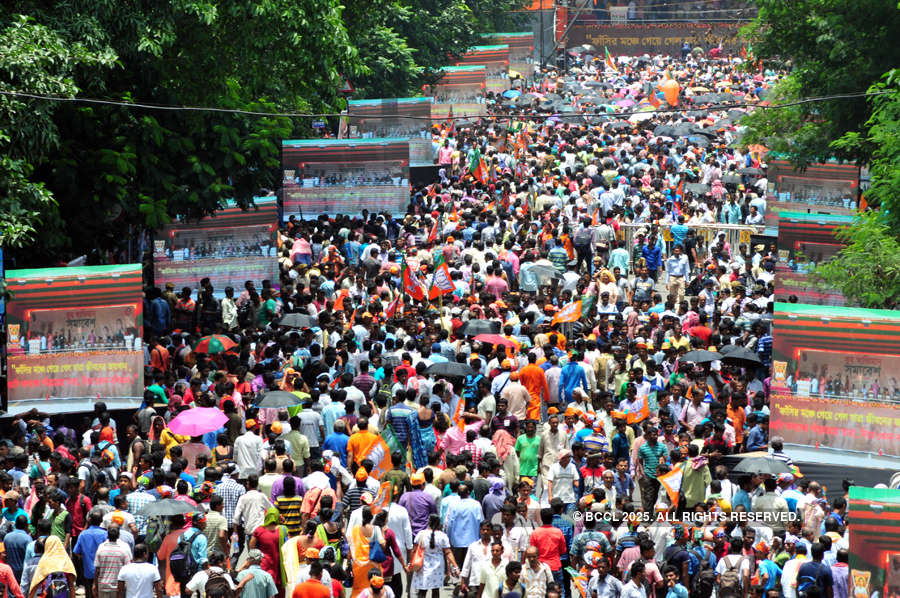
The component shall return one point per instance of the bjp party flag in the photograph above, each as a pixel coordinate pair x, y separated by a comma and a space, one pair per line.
569, 313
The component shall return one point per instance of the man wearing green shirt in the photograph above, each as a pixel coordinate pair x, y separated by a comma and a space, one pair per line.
527, 447
650, 455
267, 309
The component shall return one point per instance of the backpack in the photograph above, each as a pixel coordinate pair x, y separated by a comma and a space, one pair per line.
806, 582
56, 586
244, 313
704, 580
182, 565
471, 389
384, 391
155, 534
583, 238
94, 473
730, 582
217, 586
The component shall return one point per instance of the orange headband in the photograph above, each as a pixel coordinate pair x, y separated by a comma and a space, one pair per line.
377, 582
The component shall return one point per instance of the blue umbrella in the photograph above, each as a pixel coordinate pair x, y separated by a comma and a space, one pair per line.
511, 93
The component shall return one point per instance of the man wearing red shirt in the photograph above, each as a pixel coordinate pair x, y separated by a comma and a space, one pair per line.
701, 330
313, 587
551, 544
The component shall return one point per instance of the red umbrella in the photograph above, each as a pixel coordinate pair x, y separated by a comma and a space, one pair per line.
216, 343
496, 339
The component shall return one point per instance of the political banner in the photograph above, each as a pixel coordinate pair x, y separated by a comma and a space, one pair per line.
634, 39
806, 241
229, 248
875, 542
345, 176
393, 117
459, 93
74, 337
521, 50
496, 64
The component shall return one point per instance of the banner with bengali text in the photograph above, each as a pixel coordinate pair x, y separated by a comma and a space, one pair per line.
834, 423
632, 39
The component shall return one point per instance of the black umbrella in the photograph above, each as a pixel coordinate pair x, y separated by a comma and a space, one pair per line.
476, 327
298, 321
166, 508
594, 84
751, 171
275, 399
620, 125
544, 274
761, 465
742, 357
682, 130
701, 356
726, 349
450, 368
664, 131
696, 188
700, 140
731, 179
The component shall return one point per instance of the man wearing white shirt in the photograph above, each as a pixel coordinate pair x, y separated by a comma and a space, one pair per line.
478, 555
248, 451
398, 521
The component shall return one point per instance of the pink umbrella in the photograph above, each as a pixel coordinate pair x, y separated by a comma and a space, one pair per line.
198, 421
625, 103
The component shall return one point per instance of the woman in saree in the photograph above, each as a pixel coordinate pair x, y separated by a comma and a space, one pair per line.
361, 539
268, 539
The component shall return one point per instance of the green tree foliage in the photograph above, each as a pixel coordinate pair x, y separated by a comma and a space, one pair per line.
496, 16
34, 60
835, 47
867, 271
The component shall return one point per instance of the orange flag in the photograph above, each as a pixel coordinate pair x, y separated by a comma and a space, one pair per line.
569, 313
339, 304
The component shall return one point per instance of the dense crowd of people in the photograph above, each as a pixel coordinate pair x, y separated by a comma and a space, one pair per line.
497, 393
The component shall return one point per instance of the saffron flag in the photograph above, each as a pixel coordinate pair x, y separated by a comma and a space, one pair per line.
672, 483
339, 304
579, 580
480, 171
610, 63
654, 101
639, 412
380, 455
411, 284
433, 235
392, 308
569, 313
382, 499
441, 283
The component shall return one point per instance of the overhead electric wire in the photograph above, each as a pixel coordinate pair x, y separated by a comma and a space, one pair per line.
575, 115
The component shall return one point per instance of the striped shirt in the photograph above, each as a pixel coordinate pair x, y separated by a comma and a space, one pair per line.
110, 557
559, 258
351, 497
398, 417
231, 492
290, 510
651, 456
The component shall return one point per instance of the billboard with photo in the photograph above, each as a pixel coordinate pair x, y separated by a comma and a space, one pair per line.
874, 520
829, 188
233, 246
521, 50
345, 176
74, 337
804, 242
394, 117
496, 62
836, 370
459, 92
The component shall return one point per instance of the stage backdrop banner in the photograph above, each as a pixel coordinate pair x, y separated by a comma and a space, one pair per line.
496, 63
521, 50
459, 92
829, 188
842, 424
229, 248
805, 241
74, 337
634, 39
345, 176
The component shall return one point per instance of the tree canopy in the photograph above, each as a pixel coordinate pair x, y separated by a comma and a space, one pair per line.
83, 176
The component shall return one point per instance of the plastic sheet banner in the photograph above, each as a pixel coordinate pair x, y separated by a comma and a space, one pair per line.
635, 39
74, 337
229, 248
521, 50
841, 424
345, 176
496, 63
459, 92
804, 242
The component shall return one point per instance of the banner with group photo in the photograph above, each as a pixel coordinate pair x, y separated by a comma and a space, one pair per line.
804, 242
392, 117
229, 248
345, 176
521, 50
459, 92
496, 65
836, 423
74, 336
875, 542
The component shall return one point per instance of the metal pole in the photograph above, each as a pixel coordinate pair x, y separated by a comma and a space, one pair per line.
542, 34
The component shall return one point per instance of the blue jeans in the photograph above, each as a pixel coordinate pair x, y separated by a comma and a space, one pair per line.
559, 578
